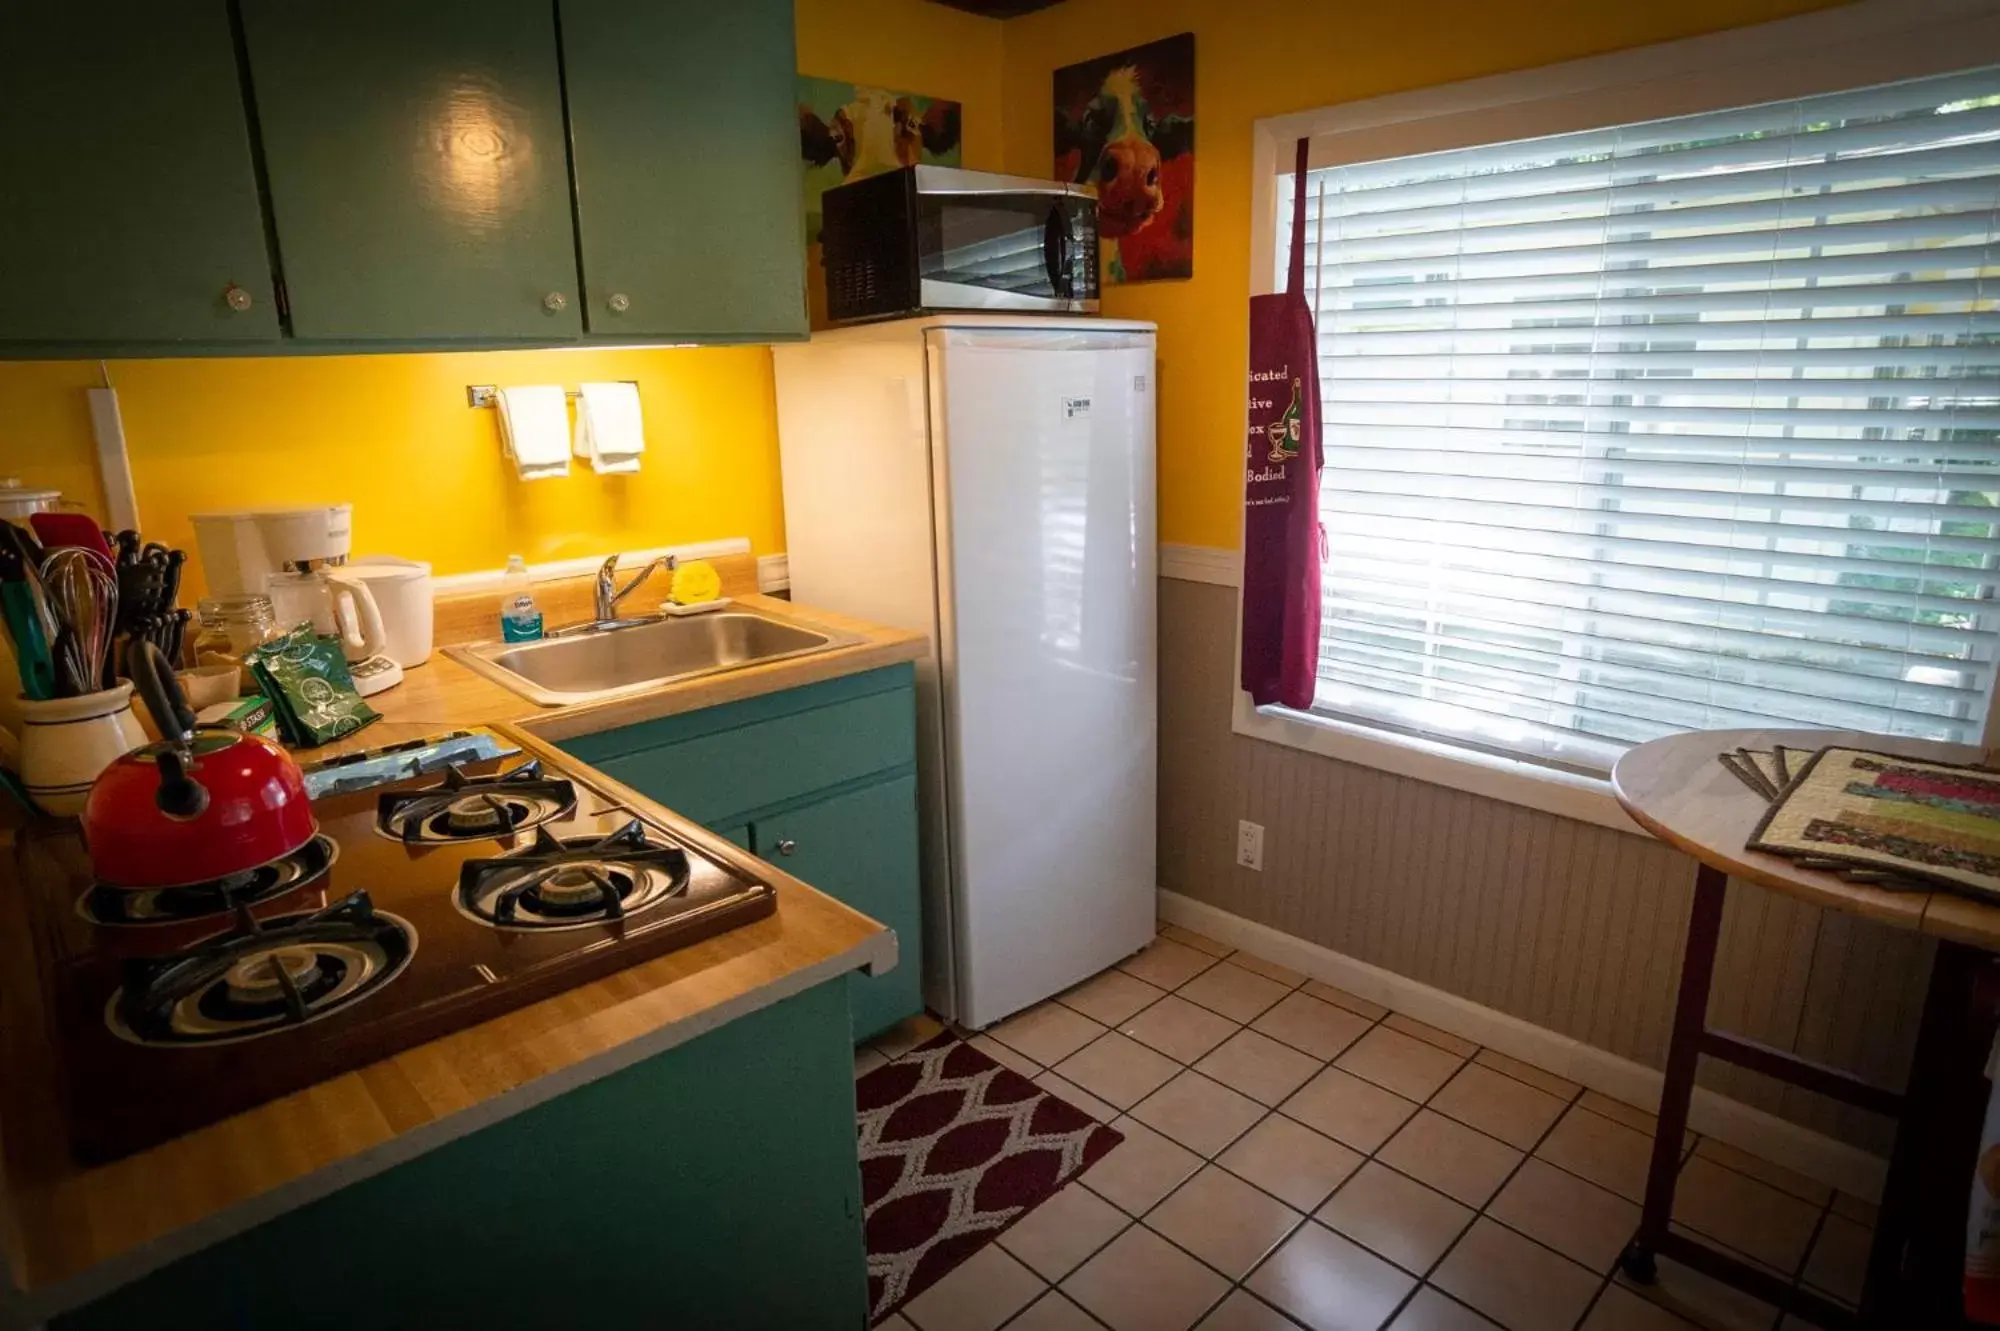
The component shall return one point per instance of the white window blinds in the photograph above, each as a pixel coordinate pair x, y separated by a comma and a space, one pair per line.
1677, 425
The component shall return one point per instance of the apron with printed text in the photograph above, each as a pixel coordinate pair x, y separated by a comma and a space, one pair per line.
1282, 541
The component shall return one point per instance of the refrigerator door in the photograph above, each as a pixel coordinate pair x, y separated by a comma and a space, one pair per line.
1043, 485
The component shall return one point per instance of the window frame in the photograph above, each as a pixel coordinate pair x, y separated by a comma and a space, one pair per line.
1828, 51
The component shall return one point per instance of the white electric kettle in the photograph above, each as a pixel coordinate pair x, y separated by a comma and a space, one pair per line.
344, 610
403, 590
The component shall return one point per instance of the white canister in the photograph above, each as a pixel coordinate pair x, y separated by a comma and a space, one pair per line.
63, 743
403, 591
18, 503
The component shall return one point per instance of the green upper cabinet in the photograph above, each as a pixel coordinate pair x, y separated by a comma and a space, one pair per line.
128, 194
685, 144
418, 180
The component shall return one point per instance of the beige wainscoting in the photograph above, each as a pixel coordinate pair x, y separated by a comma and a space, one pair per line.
1573, 927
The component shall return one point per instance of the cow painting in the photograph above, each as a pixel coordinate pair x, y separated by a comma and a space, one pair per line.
1124, 125
850, 130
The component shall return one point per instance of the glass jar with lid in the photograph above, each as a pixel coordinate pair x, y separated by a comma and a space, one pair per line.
231, 627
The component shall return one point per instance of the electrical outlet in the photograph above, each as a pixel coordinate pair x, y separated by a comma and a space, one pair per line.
1250, 845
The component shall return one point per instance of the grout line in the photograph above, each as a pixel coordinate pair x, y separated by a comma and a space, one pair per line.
1572, 1104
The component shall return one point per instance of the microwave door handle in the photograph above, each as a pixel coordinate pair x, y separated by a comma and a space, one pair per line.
1055, 252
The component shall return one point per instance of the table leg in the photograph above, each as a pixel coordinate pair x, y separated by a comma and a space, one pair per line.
1683, 1053
1914, 1267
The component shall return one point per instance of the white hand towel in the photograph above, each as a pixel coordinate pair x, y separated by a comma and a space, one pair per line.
609, 429
534, 426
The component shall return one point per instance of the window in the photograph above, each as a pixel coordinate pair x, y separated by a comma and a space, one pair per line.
1685, 424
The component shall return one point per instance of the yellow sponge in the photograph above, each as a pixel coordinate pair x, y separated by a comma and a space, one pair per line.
695, 582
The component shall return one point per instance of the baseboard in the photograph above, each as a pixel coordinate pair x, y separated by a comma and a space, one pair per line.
1200, 563
1813, 1154
774, 573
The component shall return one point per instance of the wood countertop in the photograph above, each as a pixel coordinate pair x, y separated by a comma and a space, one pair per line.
1675, 789
72, 1233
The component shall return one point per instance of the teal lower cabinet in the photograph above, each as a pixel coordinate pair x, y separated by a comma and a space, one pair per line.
859, 847
822, 781
714, 1185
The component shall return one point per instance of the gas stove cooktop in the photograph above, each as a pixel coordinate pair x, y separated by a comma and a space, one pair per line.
424, 906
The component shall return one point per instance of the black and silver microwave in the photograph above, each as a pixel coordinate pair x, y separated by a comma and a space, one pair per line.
938, 238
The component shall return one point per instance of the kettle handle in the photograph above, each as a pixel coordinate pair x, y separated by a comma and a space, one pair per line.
373, 639
154, 678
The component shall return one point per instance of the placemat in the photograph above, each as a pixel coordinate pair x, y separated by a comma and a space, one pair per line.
1937, 823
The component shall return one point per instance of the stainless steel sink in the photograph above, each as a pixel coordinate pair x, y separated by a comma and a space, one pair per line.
592, 664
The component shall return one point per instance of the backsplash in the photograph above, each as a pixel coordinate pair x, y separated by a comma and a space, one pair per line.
393, 435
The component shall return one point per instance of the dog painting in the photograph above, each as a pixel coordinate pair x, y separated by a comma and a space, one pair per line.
850, 130
1125, 126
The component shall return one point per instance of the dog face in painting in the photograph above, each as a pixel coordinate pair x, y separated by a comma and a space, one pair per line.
1120, 146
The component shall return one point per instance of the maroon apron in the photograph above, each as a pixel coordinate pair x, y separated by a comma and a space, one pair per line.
1282, 541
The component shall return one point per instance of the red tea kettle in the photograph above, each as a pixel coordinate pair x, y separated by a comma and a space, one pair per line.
202, 804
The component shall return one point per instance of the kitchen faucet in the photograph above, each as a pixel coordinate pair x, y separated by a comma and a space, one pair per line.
609, 595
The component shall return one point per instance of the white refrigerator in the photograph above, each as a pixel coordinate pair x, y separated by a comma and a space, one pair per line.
989, 481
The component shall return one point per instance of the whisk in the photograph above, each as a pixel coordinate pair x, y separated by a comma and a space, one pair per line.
82, 594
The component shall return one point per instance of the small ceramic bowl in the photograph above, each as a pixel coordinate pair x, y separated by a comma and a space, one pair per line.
208, 685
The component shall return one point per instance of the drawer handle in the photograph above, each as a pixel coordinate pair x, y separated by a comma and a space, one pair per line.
555, 302
619, 302
236, 298
787, 846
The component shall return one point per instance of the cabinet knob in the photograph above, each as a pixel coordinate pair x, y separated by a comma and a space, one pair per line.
236, 298
619, 302
787, 846
555, 302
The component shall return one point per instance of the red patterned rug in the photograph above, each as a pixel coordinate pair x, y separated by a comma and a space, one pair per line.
955, 1148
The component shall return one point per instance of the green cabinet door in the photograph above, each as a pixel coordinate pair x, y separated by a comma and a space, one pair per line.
860, 848
685, 143
418, 180
128, 195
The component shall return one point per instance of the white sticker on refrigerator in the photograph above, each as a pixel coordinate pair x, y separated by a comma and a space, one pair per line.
1138, 383
1074, 407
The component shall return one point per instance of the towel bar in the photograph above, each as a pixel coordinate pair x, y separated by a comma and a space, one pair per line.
488, 395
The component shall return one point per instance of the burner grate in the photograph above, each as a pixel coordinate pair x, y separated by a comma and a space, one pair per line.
261, 977
464, 808
110, 904
562, 883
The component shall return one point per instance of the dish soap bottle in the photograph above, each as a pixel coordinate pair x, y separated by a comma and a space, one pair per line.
520, 617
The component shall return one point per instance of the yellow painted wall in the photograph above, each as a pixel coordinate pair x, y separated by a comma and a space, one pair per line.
393, 435
1256, 58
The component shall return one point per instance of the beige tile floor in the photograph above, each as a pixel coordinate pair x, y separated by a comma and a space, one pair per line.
1295, 1156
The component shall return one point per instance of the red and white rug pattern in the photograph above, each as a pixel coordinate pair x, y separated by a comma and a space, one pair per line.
954, 1148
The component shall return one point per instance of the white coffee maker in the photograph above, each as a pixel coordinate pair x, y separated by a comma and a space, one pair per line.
284, 554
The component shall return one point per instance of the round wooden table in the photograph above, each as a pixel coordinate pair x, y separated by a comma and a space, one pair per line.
1676, 789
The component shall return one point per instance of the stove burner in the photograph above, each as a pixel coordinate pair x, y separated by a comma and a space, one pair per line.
465, 808
480, 815
574, 881
287, 971
264, 977
107, 903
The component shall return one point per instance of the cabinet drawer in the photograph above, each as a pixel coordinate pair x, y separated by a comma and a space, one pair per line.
723, 775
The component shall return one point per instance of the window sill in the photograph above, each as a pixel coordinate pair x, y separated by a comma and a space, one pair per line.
1565, 794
